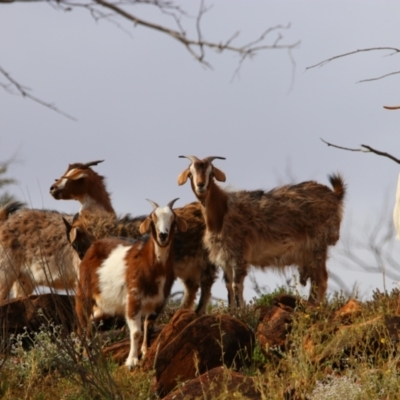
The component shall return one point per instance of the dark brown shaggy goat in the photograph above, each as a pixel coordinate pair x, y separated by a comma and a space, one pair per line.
292, 224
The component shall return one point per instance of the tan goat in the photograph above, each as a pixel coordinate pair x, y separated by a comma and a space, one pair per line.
34, 250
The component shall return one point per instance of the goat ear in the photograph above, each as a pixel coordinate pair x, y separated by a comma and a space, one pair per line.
145, 226
67, 225
68, 228
72, 235
182, 178
180, 224
219, 175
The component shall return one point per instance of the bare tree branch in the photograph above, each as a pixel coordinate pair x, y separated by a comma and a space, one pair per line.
379, 77
14, 87
365, 149
391, 107
394, 50
195, 46
373, 251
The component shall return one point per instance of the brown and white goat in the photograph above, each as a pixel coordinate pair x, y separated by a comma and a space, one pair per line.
131, 280
34, 250
191, 261
292, 224
83, 184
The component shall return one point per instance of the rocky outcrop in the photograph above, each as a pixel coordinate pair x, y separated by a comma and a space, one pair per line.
33, 311
205, 343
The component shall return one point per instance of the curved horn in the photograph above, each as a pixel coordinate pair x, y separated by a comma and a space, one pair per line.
191, 158
154, 204
212, 158
171, 203
90, 164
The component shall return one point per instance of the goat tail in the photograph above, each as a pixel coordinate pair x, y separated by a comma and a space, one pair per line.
339, 186
9, 208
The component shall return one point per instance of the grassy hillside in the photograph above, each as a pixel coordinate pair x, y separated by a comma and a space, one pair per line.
338, 350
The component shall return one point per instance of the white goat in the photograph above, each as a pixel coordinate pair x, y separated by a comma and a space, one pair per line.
292, 224
121, 278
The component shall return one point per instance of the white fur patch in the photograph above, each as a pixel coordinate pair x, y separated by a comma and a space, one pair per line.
64, 181
164, 219
62, 184
70, 172
112, 281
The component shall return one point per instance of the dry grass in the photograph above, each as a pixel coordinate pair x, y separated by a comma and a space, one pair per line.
324, 358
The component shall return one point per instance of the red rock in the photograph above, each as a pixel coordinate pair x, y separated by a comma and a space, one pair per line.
205, 343
33, 311
274, 328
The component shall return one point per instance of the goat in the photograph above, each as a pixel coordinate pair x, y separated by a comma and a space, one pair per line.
83, 184
191, 261
33, 248
127, 279
292, 224
79, 238
34, 251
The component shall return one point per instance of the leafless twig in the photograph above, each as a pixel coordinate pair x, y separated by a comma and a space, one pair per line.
110, 10
391, 107
371, 248
379, 77
328, 60
393, 51
365, 149
14, 87
197, 46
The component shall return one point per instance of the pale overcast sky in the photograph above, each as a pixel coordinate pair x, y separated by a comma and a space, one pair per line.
141, 100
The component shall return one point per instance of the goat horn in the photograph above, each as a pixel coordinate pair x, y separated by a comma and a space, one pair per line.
171, 203
191, 158
154, 204
212, 158
89, 164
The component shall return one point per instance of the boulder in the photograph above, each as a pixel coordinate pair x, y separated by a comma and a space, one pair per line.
180, 320
33, 311
205, 343
276, 322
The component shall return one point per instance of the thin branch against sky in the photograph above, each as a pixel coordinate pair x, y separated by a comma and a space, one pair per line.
364, 149
14, 87
270, 39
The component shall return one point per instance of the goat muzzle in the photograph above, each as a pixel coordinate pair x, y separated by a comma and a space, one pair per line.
163, 238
